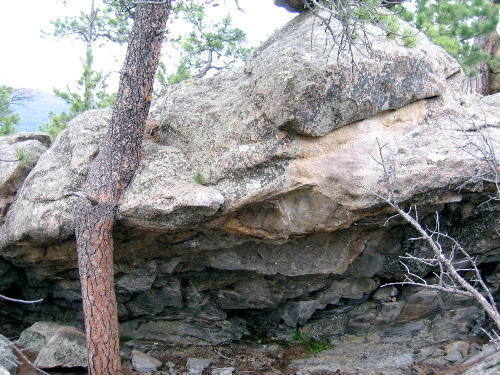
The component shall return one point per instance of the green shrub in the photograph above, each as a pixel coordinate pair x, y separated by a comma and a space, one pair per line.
199, 179
409, 38
25, 157
313, 346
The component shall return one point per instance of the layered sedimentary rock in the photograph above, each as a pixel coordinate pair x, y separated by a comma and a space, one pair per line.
254, 207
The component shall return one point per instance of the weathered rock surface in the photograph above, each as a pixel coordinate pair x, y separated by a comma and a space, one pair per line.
66, 349
251, 209
18, 154
241, 132
58, 346
143, 362
38, 335
8, 359
374, 339
486, 362
340, 360
197, 365
223, 371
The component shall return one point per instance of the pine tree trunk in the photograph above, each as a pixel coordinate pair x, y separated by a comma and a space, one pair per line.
480, 84
109, 174
88, 95
89, 59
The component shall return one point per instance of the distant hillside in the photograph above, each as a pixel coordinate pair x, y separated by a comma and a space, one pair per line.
35, 111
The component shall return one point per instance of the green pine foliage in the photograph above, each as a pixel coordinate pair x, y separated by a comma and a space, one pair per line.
199, 179
105, 22
57, 123
409, 38
25, 157
91, 89
313, 346
454, 24
374, 12
8, 119
164, 79
90, 93
209, 46
108, 22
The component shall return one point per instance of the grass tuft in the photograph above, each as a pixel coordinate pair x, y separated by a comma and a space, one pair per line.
313, 346
199, 179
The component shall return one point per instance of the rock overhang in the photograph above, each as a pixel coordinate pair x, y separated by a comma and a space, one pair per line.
251, 194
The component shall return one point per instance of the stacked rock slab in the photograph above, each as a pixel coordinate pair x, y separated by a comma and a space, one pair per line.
252, 207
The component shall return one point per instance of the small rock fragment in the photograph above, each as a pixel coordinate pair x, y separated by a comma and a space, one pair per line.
143, 362
35, 337
385, 294
66, 348
170, 368
456, 351
197, 365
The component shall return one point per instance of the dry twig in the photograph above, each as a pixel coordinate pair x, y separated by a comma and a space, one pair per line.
451, 262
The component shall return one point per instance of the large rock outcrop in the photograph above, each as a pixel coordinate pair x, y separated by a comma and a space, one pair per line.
252, 206
253, 136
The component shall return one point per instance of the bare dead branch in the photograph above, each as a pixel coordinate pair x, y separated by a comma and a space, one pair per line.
240, 9
13, 346
9, 299
449, 276
9, 161
14, 361
493, 336
357, 22
483, 148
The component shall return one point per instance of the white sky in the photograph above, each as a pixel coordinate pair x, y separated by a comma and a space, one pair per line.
30, 61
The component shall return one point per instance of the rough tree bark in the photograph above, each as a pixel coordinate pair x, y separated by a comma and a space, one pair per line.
480, 84
109, 174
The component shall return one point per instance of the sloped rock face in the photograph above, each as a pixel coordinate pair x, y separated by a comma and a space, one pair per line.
251, 206
18, 154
